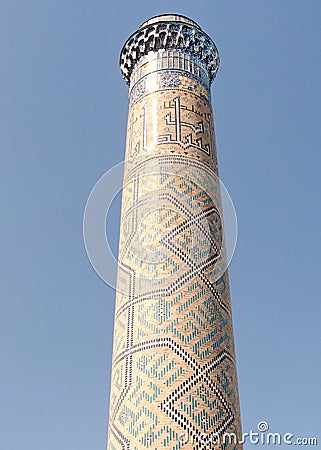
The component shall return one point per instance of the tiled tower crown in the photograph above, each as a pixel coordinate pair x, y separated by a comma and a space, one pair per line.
174, 376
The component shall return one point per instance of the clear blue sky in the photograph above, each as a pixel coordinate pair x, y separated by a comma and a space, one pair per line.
63, 111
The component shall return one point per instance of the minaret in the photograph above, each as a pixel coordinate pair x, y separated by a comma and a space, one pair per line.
173, 379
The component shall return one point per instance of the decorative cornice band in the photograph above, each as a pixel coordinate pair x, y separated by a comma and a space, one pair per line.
169, 35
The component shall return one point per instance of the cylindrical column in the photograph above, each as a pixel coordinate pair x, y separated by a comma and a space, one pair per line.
174, 374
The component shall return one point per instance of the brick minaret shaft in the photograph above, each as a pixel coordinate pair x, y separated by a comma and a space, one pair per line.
174, 379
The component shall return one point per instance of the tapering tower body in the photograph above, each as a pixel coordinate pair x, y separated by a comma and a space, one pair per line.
174, 375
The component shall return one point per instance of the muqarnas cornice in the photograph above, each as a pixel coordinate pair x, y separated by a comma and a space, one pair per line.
161, 34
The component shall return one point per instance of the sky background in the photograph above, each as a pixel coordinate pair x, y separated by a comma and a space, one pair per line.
63, 112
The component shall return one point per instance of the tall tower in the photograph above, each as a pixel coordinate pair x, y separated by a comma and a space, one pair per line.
174, 374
